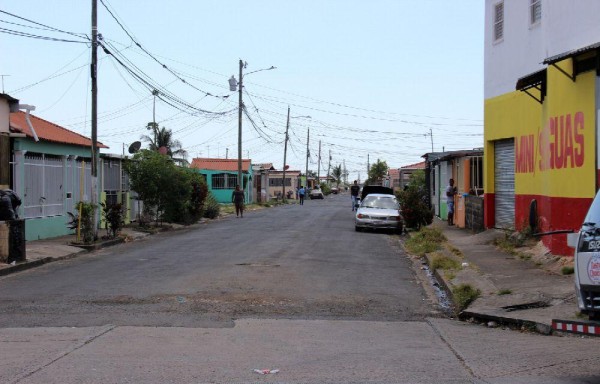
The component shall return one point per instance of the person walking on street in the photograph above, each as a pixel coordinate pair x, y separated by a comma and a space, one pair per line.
354, 190
450, 192
301, 193
237, 198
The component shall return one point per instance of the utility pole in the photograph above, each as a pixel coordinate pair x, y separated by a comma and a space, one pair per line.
3, 76
319, 166
226, 153
240, 180
329, 168
307, 156
287, 127
431, 134
368, 166
94, 76
345, 173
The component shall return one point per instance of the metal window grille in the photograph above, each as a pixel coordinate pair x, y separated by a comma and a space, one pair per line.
218, 181
232, 181
499, 21
476, 179
76, 182
535, 11
43, 186
111, 175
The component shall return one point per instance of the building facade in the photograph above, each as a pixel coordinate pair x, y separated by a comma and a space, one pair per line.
542, 60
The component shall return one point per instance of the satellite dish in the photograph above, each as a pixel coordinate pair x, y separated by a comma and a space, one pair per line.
163, 150
135, 146
286, 167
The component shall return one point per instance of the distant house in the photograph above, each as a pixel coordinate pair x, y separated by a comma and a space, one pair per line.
221, 176
466, 168
292, 182
51, 173
261, 181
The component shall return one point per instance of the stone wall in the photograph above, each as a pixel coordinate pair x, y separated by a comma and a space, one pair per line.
474, 213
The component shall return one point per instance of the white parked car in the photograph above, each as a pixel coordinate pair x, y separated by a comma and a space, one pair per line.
587, 261
379, 211
316, 193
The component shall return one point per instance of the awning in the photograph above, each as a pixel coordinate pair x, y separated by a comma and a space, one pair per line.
535, 80
575, 52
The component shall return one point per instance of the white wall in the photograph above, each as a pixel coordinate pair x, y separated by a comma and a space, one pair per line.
4, 116
566, 25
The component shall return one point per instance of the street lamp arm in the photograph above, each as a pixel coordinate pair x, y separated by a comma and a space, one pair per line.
258, 70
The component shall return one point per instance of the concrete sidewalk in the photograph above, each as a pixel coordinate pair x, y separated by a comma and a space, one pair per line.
40, 252
513, 291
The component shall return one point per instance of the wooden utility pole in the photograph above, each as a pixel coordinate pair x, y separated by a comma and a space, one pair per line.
319, 166
240, 180
307, 156
94, 76
287, 127
329, 168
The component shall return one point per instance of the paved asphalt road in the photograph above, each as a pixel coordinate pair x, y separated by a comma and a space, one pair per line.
293, 288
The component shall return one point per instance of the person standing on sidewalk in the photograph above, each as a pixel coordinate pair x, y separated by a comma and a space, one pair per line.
450, 192
354, 190
301, 193
237, 198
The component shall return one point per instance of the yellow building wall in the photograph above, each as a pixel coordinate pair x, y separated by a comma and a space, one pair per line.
554, 142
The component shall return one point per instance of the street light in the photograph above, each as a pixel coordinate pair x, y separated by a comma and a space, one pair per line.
287, 127
232, 86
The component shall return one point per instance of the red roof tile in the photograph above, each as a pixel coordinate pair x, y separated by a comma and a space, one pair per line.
47, 131
219, 164
420, 165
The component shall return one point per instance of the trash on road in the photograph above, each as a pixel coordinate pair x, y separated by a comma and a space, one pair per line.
266, 371
465, 264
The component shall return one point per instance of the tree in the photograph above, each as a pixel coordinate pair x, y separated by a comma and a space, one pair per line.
163, 137
413, 201
337, 174
176, 194
377, 172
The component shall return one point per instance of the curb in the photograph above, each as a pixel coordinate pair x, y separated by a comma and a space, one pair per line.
541, 328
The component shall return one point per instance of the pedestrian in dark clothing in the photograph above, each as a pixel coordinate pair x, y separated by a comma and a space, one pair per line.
354, 190
237, 198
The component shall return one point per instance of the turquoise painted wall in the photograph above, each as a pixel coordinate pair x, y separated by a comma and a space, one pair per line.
224, 195
55, 226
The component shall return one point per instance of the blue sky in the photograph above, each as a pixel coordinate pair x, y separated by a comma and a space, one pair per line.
375, 76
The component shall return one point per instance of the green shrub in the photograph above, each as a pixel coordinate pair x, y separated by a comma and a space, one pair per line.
113, 218
567, 270
212, 208
504, 292
83, 220
464, 294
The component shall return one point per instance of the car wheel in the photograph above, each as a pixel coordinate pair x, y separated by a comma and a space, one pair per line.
399, 230
357, 229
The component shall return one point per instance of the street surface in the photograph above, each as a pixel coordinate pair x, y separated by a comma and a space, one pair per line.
292, 288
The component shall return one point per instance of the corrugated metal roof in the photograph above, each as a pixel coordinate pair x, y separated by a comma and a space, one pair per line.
575, 52
48, 131
213, 164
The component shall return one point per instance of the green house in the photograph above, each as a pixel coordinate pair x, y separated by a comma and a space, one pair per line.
221, 176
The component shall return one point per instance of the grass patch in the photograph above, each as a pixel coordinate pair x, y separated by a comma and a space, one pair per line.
464, 294
455, 251
426, 240
449, 275
567, 270
504, 292
443, 262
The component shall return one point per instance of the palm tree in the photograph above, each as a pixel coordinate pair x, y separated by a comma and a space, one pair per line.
163, 137
337, 174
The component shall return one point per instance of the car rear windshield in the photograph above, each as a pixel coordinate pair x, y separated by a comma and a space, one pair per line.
380, 202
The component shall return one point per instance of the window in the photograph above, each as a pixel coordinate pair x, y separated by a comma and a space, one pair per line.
278, 181
232, 180
43, 186
476, 178
535, 11
218, 181
499, 21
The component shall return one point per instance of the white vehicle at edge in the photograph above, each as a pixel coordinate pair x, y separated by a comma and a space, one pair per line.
587, 261
379, 211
